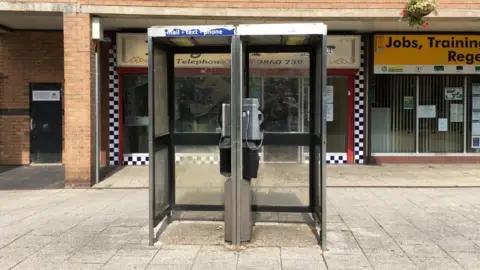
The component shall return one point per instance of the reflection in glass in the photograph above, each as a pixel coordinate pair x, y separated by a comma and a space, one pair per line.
281, 105
199, 96
135, 113
281, 184
197, 178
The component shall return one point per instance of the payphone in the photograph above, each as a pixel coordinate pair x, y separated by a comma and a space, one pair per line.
252, 138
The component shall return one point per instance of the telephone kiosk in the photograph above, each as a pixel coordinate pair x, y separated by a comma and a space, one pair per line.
252, 139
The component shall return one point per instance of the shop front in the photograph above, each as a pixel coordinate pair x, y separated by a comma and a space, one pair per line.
425, 103
202, 84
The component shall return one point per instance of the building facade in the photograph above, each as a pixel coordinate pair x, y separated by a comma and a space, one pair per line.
395, 94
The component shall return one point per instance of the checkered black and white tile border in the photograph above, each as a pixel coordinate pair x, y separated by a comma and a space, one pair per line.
359, 111
114, 107
332, 158
143, 159
199, 159
135, 159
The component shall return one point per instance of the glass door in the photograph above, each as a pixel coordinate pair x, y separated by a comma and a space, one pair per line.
337, 113
135, 113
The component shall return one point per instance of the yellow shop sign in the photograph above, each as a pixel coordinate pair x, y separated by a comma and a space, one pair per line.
422, 52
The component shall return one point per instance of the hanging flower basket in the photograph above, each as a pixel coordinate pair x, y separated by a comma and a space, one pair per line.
416, 10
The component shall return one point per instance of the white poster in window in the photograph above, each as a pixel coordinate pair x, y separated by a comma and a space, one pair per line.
442, 124
453, 93
476, 128
456, 113
329, 112
476, 115
475, 89
427, 111
476, 103
328, 95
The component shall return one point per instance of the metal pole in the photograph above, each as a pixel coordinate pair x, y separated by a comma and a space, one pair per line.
465, 102
417, 121
97, 118
151, 143
236, 135
323, 135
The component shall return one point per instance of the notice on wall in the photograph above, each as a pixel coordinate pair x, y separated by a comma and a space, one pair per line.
456, 113
45, 95
328, 95
475, 115
408, 102
427, 111
476, 128
329, 112
475, 141
476, 103
442, 124
453, 93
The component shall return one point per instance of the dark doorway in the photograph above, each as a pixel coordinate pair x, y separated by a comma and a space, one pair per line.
46, 115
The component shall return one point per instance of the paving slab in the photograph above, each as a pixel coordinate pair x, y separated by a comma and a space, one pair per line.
469, 260
303, 265
86, 255
79, 266
436, 263
176, 255
347, 261
260, 257
424, 250
41, 261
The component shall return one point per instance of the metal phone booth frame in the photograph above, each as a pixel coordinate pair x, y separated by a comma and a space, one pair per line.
163, 44
239, 41
308, 38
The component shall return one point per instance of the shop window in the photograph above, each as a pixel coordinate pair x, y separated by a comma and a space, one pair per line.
393, 114
418, 114
440, 114
200, 91
135, 113
473, 114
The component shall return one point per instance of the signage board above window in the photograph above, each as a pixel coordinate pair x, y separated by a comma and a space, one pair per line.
343, 52
427, 54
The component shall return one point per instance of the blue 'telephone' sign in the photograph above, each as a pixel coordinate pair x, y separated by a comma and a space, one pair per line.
207, 32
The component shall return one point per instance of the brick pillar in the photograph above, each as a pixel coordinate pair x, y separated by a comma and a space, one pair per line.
79, 68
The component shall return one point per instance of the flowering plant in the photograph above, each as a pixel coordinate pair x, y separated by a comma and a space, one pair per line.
416, 10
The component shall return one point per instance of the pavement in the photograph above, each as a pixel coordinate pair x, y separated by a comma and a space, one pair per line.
368, 228
273, 175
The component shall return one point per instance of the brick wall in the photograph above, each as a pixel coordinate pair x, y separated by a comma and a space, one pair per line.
24, 57
14, 139
283, 4
79, 84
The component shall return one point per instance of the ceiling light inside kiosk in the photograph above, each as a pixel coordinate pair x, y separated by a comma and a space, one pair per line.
295, 40
183, 42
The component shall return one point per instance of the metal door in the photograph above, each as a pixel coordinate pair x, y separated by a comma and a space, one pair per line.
46, 123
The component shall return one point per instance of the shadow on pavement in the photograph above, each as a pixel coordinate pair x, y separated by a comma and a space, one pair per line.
31, 177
